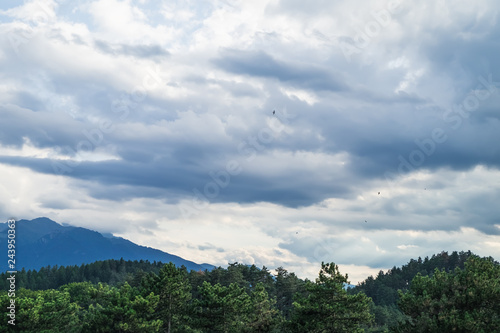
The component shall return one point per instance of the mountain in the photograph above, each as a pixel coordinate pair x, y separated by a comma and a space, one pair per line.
41, 242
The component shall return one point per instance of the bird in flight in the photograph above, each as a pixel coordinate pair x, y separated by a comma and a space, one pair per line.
365, 221
274, 111
378, 193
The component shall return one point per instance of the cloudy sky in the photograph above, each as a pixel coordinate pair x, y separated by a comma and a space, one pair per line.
153, 120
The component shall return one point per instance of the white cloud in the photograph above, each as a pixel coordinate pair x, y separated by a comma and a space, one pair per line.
35, 12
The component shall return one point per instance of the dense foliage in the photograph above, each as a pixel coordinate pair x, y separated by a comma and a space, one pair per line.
237, 299
383, 289
461, 293
465, 300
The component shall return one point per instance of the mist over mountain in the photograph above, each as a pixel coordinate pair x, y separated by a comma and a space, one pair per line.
41, 242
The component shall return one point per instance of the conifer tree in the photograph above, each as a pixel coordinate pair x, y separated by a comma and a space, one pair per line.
174, 291
328, 307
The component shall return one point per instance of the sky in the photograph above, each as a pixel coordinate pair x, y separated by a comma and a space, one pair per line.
267, 132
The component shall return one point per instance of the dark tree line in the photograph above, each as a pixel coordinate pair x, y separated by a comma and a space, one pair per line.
237, 299
283, 285
458, 292
108, 271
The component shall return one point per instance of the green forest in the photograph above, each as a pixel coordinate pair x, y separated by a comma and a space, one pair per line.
457, 292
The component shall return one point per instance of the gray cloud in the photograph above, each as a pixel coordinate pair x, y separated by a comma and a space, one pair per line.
261, 64
44, 129
392, 111
138, 51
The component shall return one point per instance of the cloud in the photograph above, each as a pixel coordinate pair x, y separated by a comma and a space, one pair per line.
157, 124
262, 65
44, 129
140, 51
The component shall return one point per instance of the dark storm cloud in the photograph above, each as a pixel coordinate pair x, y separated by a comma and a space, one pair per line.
373, 125
302, 191
261, 64
171, 180
379, 137
175, 168
147, 176
482, 212
465, 52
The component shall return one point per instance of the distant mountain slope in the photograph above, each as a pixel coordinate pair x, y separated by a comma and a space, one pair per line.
41, 242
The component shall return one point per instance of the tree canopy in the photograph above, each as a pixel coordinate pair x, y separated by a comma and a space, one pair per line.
460, 294
465, 300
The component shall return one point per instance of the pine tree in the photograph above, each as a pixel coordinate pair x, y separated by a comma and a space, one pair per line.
264, 315
172, 286
286, 286
328, 307
222, 309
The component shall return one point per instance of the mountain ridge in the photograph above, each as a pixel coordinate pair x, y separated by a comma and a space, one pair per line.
41, 242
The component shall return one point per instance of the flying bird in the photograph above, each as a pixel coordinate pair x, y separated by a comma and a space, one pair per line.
365, 221
274, 111
378, 193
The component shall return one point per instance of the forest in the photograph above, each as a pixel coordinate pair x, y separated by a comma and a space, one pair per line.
457, 292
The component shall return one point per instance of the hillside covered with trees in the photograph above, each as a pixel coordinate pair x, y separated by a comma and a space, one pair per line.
458, 292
